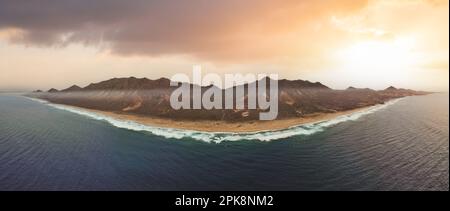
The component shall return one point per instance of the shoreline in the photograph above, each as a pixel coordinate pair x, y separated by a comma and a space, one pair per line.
225, 127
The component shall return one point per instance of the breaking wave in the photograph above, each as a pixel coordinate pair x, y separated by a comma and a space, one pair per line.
217, 137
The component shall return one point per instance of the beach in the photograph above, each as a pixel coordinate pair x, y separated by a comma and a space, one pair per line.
222, 126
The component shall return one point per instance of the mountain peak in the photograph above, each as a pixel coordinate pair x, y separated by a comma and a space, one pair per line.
391, 88
130, 83
72, 88
301, 84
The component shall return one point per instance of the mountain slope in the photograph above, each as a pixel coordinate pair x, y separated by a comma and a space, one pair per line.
296, 98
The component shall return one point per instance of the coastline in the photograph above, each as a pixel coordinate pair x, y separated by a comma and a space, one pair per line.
222, 126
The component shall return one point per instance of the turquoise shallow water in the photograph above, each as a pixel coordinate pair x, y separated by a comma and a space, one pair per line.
403, 146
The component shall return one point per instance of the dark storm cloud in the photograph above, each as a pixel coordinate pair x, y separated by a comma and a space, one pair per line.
201, 27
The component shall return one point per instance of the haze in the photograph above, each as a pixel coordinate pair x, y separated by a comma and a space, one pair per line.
375, 44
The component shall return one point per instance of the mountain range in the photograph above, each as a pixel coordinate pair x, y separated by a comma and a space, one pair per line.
142, 96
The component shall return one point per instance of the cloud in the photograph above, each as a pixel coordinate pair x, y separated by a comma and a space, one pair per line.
214, 30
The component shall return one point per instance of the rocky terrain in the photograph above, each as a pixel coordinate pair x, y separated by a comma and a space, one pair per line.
142, 96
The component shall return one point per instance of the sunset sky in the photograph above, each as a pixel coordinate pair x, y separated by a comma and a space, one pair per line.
375, 44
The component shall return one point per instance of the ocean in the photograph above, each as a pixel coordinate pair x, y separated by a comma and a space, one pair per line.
402, 145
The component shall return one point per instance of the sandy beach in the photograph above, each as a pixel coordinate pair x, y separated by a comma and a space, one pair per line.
223, 126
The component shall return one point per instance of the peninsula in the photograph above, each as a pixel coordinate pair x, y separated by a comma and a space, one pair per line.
148, 102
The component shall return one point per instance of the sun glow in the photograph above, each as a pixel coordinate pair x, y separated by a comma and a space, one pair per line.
380, 54
374, 59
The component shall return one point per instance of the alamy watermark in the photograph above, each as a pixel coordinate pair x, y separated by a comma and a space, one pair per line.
260, 94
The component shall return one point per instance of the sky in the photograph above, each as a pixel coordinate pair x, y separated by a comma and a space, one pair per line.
360, 43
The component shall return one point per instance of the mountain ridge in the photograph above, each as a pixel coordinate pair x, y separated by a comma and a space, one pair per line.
142, 96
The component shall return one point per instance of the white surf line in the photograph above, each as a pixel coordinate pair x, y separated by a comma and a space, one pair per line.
217, 137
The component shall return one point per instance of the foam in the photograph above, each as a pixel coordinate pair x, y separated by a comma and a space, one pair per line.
217, 137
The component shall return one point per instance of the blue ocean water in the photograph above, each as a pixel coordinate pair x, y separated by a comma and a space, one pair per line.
400, 146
